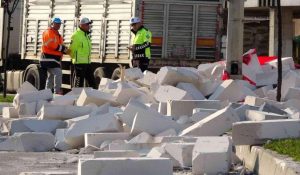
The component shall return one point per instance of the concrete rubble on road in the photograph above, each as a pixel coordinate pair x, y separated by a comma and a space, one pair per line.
150, 123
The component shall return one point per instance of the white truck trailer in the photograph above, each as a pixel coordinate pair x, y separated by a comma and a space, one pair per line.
185, 33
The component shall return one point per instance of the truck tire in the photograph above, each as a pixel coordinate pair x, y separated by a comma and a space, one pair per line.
36, 76
98, 74
116, 74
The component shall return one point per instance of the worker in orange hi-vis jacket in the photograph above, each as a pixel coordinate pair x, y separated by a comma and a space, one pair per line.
52, 52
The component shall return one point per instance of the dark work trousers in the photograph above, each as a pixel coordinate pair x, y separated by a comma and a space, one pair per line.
141, 63
81, 72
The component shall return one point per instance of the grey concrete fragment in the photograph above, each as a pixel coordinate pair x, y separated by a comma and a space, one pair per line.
27, 142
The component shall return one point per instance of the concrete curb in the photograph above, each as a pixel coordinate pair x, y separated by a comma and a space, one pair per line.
266, 162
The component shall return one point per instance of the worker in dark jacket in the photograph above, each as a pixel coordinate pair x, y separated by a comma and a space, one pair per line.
141, 43
52, 52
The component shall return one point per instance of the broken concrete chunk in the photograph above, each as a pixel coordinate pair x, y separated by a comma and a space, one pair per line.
208, 87
96, 139
59, 112
228, 90
201, 113
64, 100
27, 142
192, 90
256, 101
241, 111
182, 152
104, 123
213, 125
35, 125
133, 166
142, 138
60, 143
293, 93
253, 115
291, 79
286, 61
124, 92
116, 153
26, 87
165, 93
153, 124
94, 96
168, 132
177, 108
272, 109
2, 105
212, 155
10, 112
262, 92
34, 96
162, 108
133, 74
26, 109
258, 132
148, 79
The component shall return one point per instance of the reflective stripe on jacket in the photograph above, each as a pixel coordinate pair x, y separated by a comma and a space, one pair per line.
51, 49
142, 42
80, 47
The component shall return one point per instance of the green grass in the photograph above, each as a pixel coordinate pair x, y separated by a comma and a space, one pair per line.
289, 147
9, 98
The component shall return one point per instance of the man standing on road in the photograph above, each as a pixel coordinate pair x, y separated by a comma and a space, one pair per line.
80, 51
141, 43
52, 52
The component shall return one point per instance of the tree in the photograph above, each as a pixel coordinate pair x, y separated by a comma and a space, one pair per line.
279, 82
9, 8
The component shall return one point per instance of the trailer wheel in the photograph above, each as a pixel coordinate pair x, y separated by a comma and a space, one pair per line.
116, 74
98, 74
36, 76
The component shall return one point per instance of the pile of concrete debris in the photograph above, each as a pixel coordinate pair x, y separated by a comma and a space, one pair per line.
151, 123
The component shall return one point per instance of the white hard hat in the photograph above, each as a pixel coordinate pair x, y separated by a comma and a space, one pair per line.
85, 20
134, 20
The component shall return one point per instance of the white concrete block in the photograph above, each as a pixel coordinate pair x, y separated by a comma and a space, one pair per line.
160, 152
33, 96
10, 112
262, 92
208, 87
286, 61
104, 82
153, 124
59, 112
133, 166
148, 79
162, 108
174, 75
291, 79
183, 120
26, 87
212, 155
64, 100
165, 93
111, 154
255, 101
266, 78
96, 139
251, 65
94, 96
228, 90
26, 109
241, 111
213, 125
124, 92
40, 104
104, 123
177, 139
142, 138
27, 142
168, 132
182, 152
257, 132
142, 148
178, 108
133, 73
203, 113
293, 93
272, 109
2, 105
35, 125
192, 90
131, 109
253, 115
217, 72
60, 143
207, 68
